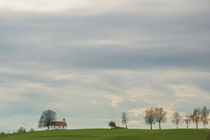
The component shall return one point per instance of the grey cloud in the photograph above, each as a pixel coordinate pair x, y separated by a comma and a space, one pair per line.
173, 41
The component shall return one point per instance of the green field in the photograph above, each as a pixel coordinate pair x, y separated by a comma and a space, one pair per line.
105, 134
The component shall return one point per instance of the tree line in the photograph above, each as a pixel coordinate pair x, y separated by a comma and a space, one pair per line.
158, 115
152, 115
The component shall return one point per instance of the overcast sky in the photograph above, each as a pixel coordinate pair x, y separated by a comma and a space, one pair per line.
89, 60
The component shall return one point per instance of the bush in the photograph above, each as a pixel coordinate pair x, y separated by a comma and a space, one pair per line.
118, 127
112, 124
21, 130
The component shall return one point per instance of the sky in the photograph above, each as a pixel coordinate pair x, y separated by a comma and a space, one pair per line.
91, 60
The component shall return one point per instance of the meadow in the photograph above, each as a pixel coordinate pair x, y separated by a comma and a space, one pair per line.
105, 134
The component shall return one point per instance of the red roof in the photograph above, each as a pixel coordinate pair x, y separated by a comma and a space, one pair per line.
57, 123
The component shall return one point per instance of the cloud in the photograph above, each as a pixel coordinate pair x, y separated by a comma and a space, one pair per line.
13, 123
115, 100
136, 112
43, 5
93, 101
134, 123
125, 42
95, 7
78, 94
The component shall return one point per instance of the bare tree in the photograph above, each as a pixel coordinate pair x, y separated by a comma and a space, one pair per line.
176, 119
196, 116
150, 116
112, 124
124, 118
187, 120
204, 116
47, 118
32, 130
160, 115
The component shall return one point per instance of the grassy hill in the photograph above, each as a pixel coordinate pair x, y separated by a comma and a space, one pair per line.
105, 134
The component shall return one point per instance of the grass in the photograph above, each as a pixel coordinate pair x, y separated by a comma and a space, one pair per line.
105, 134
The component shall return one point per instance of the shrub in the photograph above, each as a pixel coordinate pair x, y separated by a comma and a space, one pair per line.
118, 127
112, 124
21, 130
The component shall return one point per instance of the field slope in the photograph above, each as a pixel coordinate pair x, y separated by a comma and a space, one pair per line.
105, 134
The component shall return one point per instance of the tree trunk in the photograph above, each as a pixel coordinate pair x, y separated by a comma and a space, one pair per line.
187, 125
159, 126
151, 126
196, 125
126, 125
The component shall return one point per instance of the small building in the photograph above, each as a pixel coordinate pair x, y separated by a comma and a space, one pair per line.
59, 125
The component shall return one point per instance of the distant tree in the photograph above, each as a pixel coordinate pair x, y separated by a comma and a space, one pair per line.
176, 119
205, 116
112, 124
187, 120
160, 115
196, 116
124, 118
31, 130
149, 116
47, 118
21, 130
